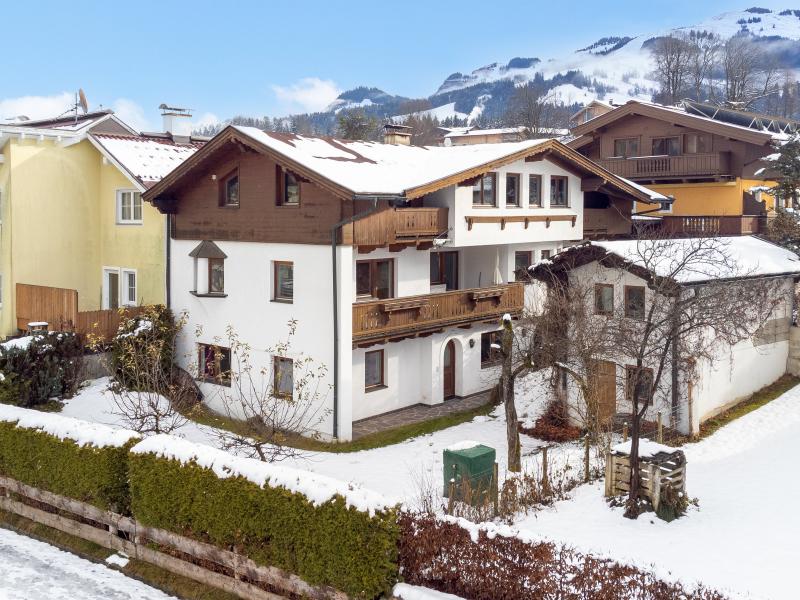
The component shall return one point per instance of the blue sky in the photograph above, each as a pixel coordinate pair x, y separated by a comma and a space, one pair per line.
251, 57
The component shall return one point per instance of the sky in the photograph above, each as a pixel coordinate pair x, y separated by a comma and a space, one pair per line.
275, 57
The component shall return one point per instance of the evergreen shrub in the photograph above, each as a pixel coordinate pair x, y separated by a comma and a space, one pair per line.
326, 545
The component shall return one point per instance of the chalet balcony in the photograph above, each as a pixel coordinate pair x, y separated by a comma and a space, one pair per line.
392, 319
400, 227
710, 225
686, 166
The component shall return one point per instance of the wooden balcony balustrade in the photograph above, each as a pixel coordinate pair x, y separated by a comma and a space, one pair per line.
682, 166
376, 321
702, 225
399, 226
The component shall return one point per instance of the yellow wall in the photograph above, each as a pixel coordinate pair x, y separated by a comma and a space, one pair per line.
60, 225
717, 198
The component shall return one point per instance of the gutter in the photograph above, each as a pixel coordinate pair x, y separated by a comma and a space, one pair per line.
334, 242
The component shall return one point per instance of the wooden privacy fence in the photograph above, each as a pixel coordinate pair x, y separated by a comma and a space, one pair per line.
664, 469
58, 307
223, 569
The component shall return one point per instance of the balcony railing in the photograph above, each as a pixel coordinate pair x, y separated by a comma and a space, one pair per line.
703, 225
395, 318
670, 167
400, 226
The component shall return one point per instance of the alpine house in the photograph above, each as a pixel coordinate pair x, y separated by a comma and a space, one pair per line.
395, 261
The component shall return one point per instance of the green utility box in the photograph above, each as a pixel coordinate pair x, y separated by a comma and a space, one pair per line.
474, 463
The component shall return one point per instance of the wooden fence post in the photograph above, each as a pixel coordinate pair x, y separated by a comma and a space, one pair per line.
609, 474
625, 432
495, 488
660, 429
545, 479
586, 460
452, 495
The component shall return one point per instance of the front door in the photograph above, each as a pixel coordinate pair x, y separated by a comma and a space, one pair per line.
604, 387
450, 370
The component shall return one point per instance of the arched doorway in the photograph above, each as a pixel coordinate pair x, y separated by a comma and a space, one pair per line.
449, 371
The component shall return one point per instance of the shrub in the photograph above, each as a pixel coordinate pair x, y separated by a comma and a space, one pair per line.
553, 425
38, 368
95, 472
327, 543
149, 337
486, 564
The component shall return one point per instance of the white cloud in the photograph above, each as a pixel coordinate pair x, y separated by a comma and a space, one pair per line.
36, 107
132, 114
204, 120
309, 94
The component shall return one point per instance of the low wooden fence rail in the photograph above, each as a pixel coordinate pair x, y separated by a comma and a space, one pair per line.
58, 307
234, 573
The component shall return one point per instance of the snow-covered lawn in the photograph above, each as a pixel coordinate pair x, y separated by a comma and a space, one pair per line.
32, 570
741, 539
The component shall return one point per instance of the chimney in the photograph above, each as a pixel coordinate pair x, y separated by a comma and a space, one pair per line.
396, 134
177, 122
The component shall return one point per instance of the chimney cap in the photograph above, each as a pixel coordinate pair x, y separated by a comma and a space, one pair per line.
174, 110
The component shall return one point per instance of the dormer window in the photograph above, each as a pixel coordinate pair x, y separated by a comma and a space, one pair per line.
288, 188
229, 190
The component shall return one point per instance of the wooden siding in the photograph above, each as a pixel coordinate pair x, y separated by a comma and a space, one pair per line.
397, 225
257, 218
717, 164
378, 320
713, 225
58, 307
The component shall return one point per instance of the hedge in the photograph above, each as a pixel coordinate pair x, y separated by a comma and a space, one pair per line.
327, 544
95, 474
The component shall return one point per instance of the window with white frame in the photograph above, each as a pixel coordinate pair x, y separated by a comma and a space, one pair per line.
129, 207
129, 289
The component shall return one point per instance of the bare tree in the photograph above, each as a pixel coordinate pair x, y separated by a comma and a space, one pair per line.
749, 72
275, 403
536, 109
673, 58
704, 49
697, 303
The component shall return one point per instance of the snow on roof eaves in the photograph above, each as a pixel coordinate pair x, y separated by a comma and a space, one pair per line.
655, 196
383, 169
146, 160
745, 257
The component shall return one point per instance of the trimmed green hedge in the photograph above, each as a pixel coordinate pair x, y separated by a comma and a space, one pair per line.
97, 476
328, 544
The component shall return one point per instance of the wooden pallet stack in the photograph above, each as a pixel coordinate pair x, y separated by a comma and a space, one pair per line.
656, 472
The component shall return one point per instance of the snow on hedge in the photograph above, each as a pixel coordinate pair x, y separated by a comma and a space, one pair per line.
318, 489
404, 591
83, 433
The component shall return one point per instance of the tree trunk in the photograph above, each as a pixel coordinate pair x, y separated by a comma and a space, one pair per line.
507, 391
632, 507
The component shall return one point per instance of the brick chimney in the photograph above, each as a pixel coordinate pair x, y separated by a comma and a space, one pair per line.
396, 134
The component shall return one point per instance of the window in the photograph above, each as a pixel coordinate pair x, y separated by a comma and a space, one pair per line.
640, 385
483, 191
375, 278
129, 207
283, 376
283, 281
214, 364
535, 190
490, 348
666, 146
545, 254
522, 260
288, 188
666, 206
216, 276
696, 143
229, 190
512, 189
373, 370
626, 147
558, 191
444, 269
603, 299
634, 301
129, 287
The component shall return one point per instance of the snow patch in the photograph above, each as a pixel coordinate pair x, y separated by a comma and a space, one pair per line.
465, 445
647, 449
403, 591
118, 560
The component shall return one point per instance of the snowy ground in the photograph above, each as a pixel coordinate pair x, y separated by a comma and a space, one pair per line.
32, 570
742, 538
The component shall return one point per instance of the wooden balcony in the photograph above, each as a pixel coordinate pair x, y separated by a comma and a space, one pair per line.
710, 225
399, 227
686, 166
393, 319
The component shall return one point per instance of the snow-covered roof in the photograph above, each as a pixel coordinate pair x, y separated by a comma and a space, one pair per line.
728, 257
145, 158
376, 168
472, 132
655, 196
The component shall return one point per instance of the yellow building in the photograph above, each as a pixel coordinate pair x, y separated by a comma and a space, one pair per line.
71, 212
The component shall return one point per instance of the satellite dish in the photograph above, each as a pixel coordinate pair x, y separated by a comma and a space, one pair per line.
82, 102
